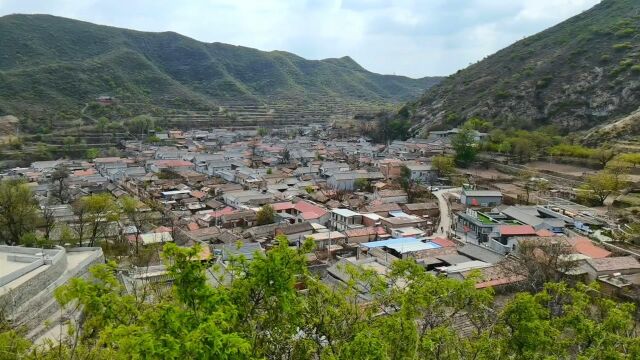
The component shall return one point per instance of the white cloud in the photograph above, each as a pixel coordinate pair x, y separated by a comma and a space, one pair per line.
409, 37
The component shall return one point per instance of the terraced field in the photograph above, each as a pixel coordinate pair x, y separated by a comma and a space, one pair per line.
291, 112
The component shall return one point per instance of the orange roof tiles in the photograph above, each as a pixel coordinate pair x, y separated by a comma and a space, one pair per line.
192, 226
306, 207
515, 230
198, 194
544, 233
281, 206
586, 247
367, 231
173, 163
443, 242
87, 172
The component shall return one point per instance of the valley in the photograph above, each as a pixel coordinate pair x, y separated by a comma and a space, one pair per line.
163, 197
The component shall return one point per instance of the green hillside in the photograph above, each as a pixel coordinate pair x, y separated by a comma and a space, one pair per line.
577, 74
50, 64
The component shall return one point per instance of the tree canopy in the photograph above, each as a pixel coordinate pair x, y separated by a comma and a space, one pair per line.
18, 211
259, 312
465, 147
266, 215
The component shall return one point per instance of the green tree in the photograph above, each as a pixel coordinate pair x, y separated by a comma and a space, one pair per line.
285, 155
43, 152
523, 149
132, 208
102, 124
631, 158
598, 187
265, 295
266, 215
18, 211
390, 127
362, 184
153, 139
140, 125
259, 313
68, 143
444, 165
465, 147
59, 180
92, 153
603, 156
408, 184
478, 124
562, 322
95, 214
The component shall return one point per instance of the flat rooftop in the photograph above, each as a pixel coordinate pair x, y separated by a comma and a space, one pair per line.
9, 266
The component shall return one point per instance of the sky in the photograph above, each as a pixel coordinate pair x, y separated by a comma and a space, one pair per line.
404, 37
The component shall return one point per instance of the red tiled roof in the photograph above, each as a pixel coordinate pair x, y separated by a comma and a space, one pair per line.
310, 215
162, 229
514, 230
367, 231
84, 172
306, 207
281, 206
173, 163
443, 242
225, 211
198, 194
586, 247
544, 233
192, 226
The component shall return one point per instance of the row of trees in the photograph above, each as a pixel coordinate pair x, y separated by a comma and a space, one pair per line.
21, 216
261, 314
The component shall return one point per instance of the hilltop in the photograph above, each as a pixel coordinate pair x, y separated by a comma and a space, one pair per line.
575, 75
51, 64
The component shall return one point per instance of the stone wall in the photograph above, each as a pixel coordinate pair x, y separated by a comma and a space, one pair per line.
33, 302
23, 292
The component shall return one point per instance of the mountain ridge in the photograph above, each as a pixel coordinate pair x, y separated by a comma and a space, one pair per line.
57, 64
574, 75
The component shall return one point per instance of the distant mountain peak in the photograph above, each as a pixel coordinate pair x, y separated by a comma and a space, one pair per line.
58, 64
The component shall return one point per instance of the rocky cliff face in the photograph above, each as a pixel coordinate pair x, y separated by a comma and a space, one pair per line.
576, 75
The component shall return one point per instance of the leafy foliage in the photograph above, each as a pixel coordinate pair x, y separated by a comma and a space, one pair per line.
444, 165
95, 213
598, 187
266, 215
260, 314
388, 127
465, 147
18, 211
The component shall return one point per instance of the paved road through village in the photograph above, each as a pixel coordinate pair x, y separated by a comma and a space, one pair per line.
445, 213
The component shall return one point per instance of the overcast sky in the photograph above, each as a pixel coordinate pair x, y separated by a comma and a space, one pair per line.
405, 37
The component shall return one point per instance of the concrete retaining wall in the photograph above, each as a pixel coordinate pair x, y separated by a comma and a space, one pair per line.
4, 280
31, 309
32, 302
25, 291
